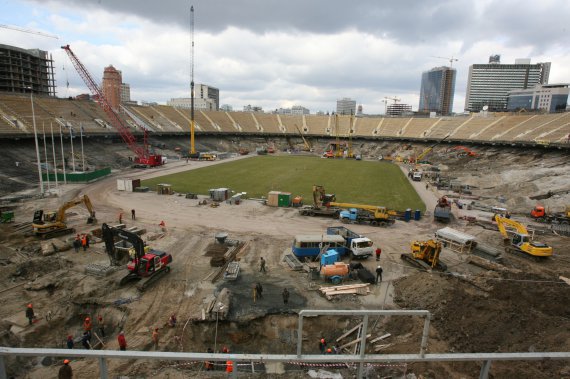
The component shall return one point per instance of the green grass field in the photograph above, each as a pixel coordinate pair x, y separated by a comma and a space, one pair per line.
359, 182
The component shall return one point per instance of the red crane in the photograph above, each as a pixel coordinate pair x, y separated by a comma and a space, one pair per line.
142, 153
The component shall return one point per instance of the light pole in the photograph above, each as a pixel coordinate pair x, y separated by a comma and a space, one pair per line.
220, 307
36, 139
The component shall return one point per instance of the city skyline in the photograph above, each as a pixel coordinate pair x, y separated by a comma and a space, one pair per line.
271, 55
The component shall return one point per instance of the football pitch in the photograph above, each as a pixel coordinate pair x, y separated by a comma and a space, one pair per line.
358, 182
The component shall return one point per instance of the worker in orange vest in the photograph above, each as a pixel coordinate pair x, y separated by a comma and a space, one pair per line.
229, 366
87, 325
155, 338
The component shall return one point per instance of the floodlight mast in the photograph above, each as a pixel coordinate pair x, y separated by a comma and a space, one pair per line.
192, 147
143, 156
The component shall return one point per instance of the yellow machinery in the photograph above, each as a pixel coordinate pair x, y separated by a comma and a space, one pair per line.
321, 204
51, 224
520, 241
425, 255
307, 145
374, 214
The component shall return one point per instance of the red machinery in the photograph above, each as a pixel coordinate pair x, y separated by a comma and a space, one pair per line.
143, 156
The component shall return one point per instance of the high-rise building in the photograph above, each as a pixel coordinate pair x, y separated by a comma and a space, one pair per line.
346, 106
125, 93
186, 103
437, 90
398, 109
24, 70
204, 91
111, 87
547, 97
489, 84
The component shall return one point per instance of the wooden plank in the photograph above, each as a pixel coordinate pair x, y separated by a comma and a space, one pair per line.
381, 338
564, 279
382, 347
355, 341
349, 332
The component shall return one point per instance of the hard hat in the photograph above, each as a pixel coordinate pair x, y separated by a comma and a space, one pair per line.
30, 305
378, 267
329, 351
66, 361
87, 319
322, 340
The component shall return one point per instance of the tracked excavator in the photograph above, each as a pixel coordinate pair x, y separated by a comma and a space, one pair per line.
425, 255
146, 265
52, 223
519, 241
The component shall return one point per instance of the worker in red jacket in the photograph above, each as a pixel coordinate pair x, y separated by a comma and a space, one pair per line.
122, 341
378, 252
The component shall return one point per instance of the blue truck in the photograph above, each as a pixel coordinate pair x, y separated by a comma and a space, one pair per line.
358, 246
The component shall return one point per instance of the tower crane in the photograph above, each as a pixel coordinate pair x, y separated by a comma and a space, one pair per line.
143, 156
17, 28
394, 99
450, 59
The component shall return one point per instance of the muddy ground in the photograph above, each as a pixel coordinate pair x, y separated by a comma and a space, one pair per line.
520, 307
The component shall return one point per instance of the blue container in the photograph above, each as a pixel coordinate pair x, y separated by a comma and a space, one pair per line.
329, 257
408, 215
417, 215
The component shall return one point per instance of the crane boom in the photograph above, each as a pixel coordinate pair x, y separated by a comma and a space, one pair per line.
17, 28
142, 154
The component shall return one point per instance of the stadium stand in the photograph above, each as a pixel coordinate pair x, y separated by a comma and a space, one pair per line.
364, 126
289, 123
320, 125
246, 121
269, 122
16, 119
222, 120
391, 127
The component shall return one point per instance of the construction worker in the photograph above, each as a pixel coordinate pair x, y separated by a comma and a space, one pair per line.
70, 342
225, 350
133, 214
155, 338
120, 217
208, 364
87, 325
65, 371
77, 243
285, 295
84, 242
101, 325
229, 367
30, 313
329, 351
322, 345
86, 340
162, 226
172, 320
254, 293
379, 274
259, 289
262, 265
378, 253
122, 341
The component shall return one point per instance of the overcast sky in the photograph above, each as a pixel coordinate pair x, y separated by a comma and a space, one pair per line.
296, 52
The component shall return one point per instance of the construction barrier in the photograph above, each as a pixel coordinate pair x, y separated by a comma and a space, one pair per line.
78, 177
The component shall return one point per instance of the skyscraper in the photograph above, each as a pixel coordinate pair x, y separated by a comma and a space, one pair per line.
112, 80
23, 70
489, 84
437, 90
346, 106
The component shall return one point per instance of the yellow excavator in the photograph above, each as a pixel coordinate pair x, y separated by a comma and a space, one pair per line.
425, 255
52, 223
520, 241
371, 214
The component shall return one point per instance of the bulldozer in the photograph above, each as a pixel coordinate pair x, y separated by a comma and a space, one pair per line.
52, 223
425, 255
519, 240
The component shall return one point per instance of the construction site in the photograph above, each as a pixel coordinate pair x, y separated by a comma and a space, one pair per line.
197, 257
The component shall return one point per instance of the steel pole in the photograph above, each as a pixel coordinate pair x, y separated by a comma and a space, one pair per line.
53, 153
37, 146
45, 156
62, 155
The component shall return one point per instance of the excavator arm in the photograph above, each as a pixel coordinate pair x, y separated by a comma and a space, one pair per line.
502, 221
70, 204
108, 234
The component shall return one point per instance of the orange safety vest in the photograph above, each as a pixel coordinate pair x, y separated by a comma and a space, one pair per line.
229, 366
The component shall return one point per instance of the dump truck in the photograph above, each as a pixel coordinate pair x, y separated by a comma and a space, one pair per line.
358, 246
540, 214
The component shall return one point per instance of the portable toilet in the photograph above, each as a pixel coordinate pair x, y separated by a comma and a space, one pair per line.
329, 257
408, 215
417, 215
284, 199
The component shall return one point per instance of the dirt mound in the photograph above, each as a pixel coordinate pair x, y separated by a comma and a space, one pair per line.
519, 312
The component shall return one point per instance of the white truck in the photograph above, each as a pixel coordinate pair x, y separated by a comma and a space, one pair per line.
357, 245
417, 176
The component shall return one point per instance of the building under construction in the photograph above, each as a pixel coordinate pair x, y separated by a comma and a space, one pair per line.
22, 70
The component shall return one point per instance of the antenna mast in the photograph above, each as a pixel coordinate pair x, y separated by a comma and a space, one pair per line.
192, 147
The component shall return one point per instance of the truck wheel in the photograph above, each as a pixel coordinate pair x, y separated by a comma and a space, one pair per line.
312, 214
344, 220
335, 280
565, 222
374, 223
336, 214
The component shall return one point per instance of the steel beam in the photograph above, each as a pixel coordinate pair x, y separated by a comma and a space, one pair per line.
484, 374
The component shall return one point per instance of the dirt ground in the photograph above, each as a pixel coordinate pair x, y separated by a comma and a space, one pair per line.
520, 307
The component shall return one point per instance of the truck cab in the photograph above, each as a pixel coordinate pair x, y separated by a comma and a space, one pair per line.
361, 247
417, 176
